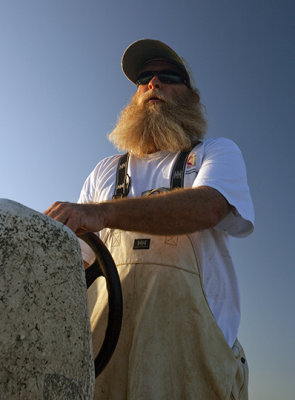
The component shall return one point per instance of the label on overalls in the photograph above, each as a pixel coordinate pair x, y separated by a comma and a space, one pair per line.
141, 244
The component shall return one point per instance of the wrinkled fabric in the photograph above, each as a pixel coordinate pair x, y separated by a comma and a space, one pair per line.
216, 163
170, 345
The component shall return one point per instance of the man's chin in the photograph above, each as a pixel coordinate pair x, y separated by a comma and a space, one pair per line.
154, 105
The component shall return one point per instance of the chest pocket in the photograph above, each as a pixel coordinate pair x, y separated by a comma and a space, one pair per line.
130, 248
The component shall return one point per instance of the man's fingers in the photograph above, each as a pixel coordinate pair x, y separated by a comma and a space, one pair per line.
80, 218
58, 211
66, 213
72, 224
51, 211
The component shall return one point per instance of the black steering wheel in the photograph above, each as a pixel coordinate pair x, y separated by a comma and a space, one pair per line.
104, 266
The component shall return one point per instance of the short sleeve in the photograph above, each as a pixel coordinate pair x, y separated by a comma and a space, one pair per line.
99, 183
223, 168
87, 192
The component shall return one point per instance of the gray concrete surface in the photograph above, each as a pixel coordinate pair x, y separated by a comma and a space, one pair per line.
45, 339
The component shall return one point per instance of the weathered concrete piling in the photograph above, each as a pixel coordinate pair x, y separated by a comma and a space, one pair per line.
45, 339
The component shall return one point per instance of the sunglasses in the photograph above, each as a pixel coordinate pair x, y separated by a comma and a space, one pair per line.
170, 77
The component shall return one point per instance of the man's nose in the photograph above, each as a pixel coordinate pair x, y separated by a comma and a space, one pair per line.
154, 83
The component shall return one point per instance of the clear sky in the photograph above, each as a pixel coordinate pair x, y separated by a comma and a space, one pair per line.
62, 88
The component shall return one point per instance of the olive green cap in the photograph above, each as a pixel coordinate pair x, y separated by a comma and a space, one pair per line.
142, 51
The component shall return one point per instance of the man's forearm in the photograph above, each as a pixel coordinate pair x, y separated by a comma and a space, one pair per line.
173, 213
178, 212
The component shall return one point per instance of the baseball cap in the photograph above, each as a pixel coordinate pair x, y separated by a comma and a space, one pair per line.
142, 51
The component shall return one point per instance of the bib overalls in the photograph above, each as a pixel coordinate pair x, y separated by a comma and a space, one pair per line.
170, 346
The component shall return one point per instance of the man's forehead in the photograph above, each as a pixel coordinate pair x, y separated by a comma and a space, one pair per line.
159, 65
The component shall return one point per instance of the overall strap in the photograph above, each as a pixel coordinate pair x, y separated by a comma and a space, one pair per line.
177, 176
122, 178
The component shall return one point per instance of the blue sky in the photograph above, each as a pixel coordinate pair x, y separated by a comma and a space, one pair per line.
62, 89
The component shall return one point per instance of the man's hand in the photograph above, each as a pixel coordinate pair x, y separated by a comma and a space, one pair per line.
80, 218
178, 212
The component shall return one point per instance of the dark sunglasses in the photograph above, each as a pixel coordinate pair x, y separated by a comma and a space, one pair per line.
170, 77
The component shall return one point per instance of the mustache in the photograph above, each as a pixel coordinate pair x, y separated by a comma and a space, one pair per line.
155, 93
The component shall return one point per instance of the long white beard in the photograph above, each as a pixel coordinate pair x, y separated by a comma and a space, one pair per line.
170, 124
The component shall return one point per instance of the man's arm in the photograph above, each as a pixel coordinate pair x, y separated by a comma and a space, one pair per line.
174, 213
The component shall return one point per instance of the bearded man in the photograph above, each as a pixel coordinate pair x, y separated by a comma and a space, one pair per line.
166, 221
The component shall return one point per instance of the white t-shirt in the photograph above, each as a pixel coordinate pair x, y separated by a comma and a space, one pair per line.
217, 163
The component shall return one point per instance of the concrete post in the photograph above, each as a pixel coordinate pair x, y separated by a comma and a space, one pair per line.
45, 339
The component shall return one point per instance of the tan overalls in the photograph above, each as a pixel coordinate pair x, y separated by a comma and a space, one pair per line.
170, 346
